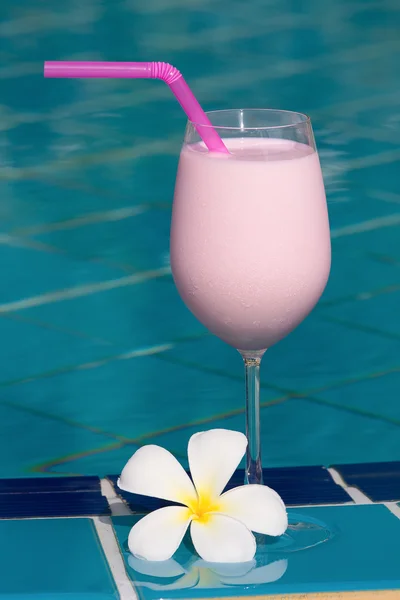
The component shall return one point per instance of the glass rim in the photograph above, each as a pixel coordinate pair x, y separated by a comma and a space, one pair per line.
303, 119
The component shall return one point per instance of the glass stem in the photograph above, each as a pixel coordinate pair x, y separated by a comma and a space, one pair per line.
252, 363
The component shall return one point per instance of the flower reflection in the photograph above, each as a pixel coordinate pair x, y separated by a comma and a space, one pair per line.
196, 573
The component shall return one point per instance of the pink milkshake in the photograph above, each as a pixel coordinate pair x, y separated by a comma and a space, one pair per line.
250, 243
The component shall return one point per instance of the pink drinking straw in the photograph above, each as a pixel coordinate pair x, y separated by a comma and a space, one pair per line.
145, 70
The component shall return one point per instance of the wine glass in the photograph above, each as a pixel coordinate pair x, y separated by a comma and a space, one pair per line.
250, 240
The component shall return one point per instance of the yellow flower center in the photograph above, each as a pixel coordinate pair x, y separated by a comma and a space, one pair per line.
202, 508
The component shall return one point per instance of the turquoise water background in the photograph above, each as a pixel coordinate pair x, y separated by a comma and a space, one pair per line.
98, 353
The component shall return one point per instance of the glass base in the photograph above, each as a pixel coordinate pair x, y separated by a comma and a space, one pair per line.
303, 532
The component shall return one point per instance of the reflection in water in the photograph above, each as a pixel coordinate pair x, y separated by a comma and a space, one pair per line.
302, 533
188, 571
199, 574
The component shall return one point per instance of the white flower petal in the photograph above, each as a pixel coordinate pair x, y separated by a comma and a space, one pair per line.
213, 457
259, 507
222, 539
158, 535
153, 471
167, 568
265, 574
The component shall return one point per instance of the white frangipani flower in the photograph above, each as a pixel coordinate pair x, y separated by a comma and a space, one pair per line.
220, 524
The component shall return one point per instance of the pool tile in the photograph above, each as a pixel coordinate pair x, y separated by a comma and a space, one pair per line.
32, 272
145, 313
28, 349
35, 485
379, 481
129, 138
355, 205
37, 202
339, 147
373, 243
316, 355
154, 174
31, 438
105, 460
349, 559
136, 502
374, 396
71, 148
51, 497
295, 432
53, 504
130, 398
305, 432
141, 241
55, 566
300, 486
385, 112
119, 173
378, 176
353, 272
378, 312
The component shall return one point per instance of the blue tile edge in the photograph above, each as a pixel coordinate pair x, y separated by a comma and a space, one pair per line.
52, 497
379, 481
298, 486
82, 496
31, 485
371, 470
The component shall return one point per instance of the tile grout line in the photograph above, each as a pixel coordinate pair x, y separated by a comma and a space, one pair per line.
118, 507
363, 226
137, 353
84, 290
355, 494
115, 561
393, 507
389, 197
109, 542
90, 218
310, 395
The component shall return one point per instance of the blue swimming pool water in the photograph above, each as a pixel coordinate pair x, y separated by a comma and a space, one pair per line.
98, 353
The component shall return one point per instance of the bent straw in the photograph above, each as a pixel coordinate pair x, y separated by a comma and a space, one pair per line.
145, 70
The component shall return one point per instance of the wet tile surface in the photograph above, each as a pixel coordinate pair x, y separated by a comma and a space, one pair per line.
349, 559
325, 549
54, 565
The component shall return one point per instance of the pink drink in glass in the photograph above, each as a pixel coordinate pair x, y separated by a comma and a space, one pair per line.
250, 243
